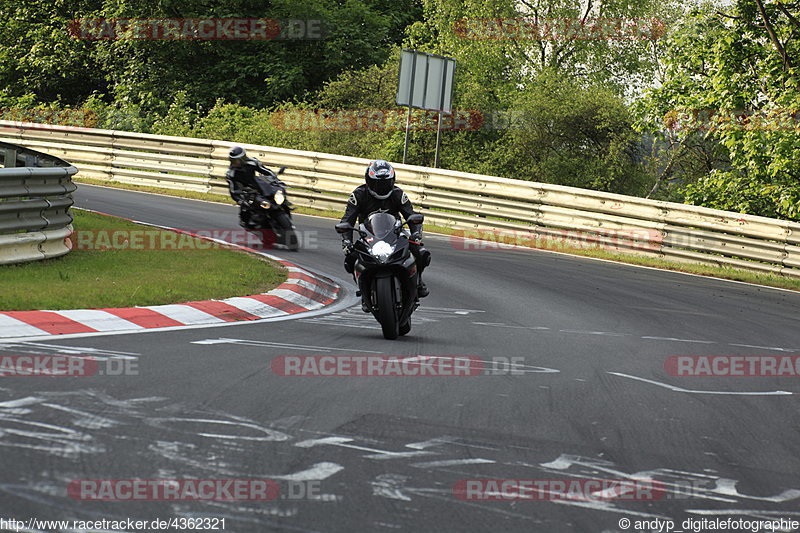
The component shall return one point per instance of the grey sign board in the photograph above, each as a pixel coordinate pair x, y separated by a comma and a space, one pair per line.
425, 81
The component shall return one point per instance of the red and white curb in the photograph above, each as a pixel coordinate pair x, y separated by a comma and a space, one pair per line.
302, 291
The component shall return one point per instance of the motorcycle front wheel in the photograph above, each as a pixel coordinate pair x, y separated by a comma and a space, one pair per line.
387, 308
289, 236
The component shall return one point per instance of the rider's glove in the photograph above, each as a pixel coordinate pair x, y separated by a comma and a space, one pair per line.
416, 237
347, 246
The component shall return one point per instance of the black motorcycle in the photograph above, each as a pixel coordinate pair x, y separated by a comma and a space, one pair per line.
270, 211
386, 270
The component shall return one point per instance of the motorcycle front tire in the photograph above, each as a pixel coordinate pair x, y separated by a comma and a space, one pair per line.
284, 225
387, 308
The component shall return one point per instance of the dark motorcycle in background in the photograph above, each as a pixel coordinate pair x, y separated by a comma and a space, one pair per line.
271, 211
386, 270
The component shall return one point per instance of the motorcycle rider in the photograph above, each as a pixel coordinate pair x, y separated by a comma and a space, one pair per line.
242, 175
379, 193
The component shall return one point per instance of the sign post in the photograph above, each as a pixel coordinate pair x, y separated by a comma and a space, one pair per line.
425, 82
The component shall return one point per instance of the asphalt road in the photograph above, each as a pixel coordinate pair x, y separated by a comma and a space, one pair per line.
587, 397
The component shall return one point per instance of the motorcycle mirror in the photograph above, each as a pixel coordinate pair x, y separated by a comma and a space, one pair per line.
343, 227
416, 218
280, 170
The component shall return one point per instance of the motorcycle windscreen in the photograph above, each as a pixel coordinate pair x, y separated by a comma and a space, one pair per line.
380, 224
266, 188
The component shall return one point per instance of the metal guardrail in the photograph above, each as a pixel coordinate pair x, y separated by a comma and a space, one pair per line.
477, 204
35, 197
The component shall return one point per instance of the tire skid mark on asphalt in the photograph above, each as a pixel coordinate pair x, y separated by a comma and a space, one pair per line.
678, 484
228, 438
694, 485
225, 438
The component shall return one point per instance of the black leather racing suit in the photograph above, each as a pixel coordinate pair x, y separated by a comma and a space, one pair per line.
244, 177
362, 204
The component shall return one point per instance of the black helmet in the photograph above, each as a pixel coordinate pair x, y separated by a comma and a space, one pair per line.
237, 153
380, 179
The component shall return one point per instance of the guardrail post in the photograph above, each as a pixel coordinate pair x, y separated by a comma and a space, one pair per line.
9, 158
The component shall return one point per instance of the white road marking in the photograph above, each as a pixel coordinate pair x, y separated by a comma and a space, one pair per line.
431, 443
728, 487
581, 332
452, 462
608, 507
686, 482
77, 350
498, 325
766, 348
451, 310
21, 402
690, 391
287, 346
673, 339
86, 420
267, 434
390, 486
646, 337
344, 442
317, 472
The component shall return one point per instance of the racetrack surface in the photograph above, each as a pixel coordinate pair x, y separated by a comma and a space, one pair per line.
589, 397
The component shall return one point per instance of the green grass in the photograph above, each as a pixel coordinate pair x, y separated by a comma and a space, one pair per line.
748, 276
123, 278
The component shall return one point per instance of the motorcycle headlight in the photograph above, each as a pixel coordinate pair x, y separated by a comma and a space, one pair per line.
279, 197
265, 204
381, 251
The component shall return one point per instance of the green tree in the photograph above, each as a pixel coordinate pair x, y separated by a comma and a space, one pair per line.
40, 57
732, 79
